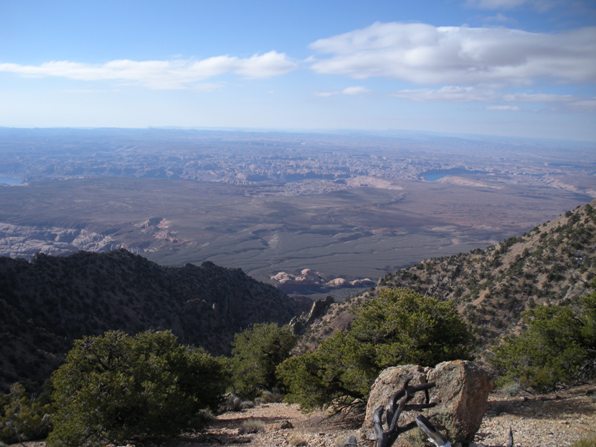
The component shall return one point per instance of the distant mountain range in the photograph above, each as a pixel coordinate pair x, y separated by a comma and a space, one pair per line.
47, 303
553, 263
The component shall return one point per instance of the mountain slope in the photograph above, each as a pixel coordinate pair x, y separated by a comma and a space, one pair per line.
553, 263
550, 264
46, 304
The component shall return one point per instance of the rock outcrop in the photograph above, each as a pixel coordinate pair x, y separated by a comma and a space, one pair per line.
317, 310
460, 394
310, 281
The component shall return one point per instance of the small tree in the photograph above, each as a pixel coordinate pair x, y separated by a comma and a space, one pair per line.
399, 326
402, 326
340, 371
115, 387
555, 348
255, 354
22, 417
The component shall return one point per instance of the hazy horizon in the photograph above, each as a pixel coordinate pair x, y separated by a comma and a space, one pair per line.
382, 133
503, 68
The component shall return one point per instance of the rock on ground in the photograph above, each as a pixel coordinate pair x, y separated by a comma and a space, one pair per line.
460, 393
548, 420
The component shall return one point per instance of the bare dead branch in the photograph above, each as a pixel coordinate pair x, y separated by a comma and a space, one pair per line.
398, 403
431, 432
510, 440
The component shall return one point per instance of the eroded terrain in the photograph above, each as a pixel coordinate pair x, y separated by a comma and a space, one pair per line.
349, 207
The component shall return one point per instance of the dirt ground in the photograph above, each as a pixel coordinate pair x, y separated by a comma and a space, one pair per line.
549, 420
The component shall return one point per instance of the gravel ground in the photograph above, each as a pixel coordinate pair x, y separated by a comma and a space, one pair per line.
550, 420
278, 424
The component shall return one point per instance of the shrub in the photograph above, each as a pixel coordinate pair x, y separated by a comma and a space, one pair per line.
23, 418
268, 397
230, 402
402, 326
339, 371
555, 348
297, 440
398, 327
251, 426
255, 354
114, 388
585, 442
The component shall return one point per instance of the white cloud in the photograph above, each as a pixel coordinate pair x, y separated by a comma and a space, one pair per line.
455, 93
161, 74
540, 5
447, 93
426, 54
557, 100
350, 91
587, 104
503, 108
499, 18
354, 90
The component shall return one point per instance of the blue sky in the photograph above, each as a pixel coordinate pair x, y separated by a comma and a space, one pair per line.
496, 67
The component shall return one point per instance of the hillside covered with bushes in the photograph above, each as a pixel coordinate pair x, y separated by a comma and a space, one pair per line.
554, 263
49, 302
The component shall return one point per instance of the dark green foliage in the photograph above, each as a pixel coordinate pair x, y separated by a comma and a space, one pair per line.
46, 304
115, 387
339, 371
22, 417
555, 348
398, 327
255, 354
402, 326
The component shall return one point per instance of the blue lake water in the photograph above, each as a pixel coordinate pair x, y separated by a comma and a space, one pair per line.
436, 174
10, 180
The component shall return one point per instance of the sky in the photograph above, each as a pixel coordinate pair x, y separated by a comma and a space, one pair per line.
516, 68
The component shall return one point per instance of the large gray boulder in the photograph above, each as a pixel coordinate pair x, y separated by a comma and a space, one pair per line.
460, 394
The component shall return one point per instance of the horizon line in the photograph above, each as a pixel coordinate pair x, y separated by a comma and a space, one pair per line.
387, 133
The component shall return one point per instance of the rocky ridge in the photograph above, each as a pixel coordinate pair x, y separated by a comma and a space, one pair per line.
47, 303
553, 263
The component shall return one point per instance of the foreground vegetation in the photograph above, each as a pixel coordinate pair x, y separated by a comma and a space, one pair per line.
557, 347
398, 327
23, 417
117, 388
256, 353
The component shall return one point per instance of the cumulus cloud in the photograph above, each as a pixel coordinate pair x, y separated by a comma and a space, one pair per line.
426, 54
161, 74
350, 91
